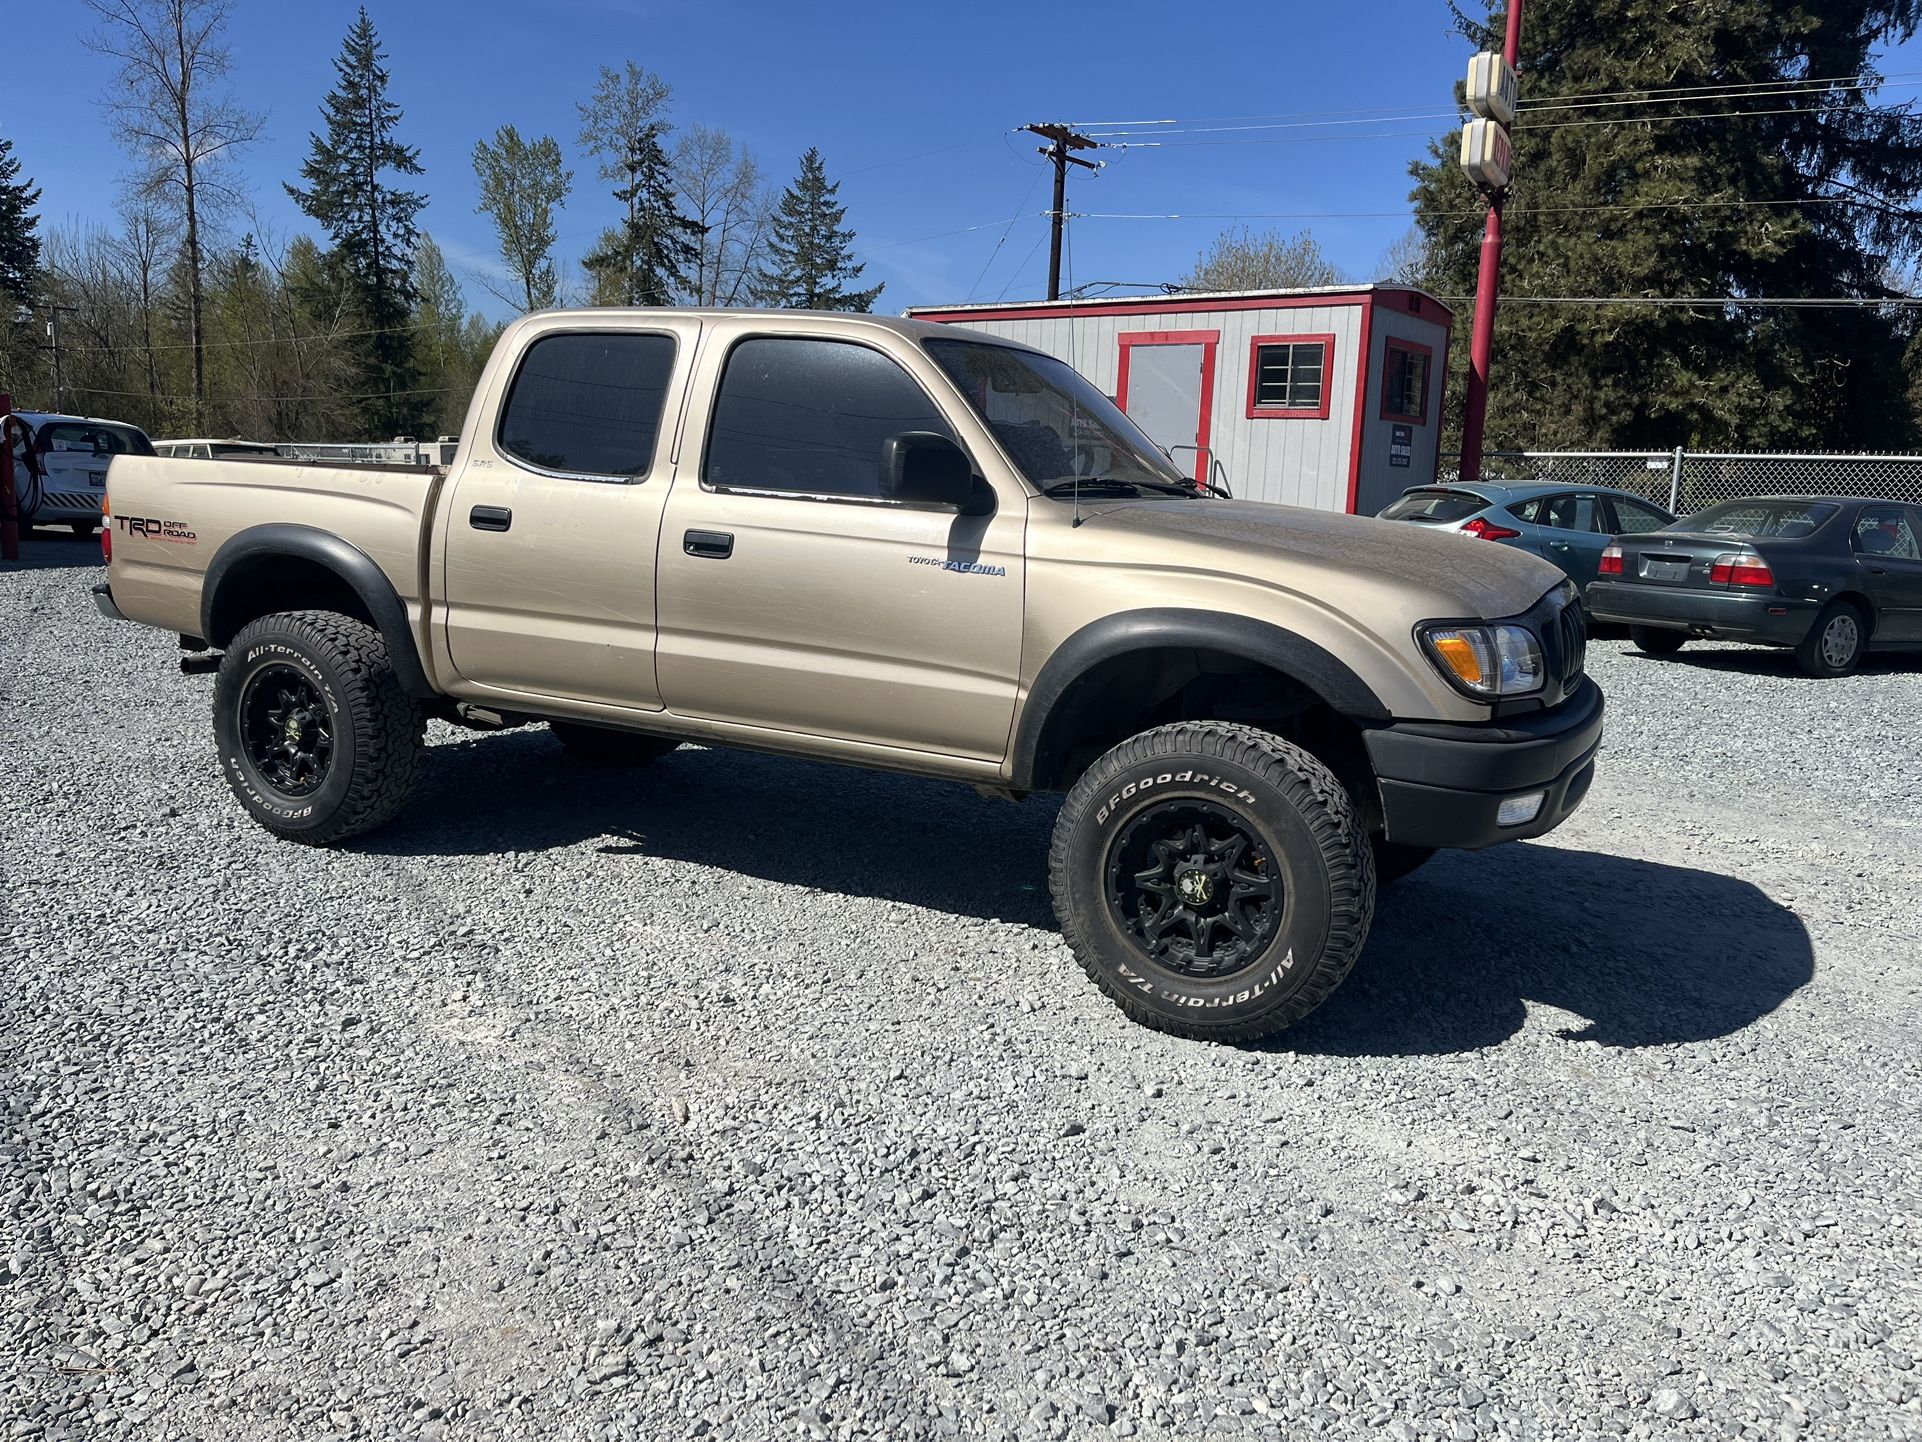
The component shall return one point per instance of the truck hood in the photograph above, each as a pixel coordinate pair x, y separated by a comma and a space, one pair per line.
1457, 575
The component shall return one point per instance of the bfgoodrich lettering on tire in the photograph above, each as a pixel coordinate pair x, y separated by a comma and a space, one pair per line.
1213, 879
316, 735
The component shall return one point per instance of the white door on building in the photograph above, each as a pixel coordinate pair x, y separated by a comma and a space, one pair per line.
1166, 386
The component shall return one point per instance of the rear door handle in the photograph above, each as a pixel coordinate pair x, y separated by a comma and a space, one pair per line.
490, 518
715, 545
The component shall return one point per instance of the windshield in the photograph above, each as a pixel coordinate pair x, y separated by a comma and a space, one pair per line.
1051, 421
1787, 520
1435, 507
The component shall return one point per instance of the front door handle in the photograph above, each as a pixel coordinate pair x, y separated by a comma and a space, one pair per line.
490, 518
715, 545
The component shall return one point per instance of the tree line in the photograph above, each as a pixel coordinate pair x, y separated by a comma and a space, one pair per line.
189, 314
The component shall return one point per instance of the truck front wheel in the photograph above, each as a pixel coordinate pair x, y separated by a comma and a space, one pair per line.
1213, 879
317, 736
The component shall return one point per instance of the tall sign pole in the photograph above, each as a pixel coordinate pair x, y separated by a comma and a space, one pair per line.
1485, 155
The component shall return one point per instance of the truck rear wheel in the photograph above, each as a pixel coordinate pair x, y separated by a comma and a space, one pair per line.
317, 736
606, 746
1213, 879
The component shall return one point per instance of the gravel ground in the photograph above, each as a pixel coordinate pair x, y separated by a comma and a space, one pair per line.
743, 1097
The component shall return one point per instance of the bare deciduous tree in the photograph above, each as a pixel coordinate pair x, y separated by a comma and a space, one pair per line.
1241, 260
722, 188
178, 121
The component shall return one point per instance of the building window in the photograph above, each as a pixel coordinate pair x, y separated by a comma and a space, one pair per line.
1288, 377
1404, 382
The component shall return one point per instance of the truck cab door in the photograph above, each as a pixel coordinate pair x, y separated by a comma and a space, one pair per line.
794, 597
549, 534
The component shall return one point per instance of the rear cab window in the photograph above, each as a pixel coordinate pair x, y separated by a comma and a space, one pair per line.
1435, 507
588, 404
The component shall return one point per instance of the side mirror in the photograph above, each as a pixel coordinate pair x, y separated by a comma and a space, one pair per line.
927, 467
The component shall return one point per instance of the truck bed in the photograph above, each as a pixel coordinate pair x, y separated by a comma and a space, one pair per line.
170, 517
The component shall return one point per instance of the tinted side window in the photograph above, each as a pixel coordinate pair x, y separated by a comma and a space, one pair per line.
1885, 531
1632, 518
794, 414
589, 403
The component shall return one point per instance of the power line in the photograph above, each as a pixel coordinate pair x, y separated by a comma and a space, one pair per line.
1033, 181
1785, 302
1387, 113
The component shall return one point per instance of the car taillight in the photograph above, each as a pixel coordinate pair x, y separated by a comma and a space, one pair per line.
1488, 530
106, 532
1741, 570
1611, 562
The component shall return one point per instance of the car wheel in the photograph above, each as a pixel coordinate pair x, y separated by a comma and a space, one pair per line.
317, 737
1657, 640
1212, 879
1393, 860
608, 747
1836, 642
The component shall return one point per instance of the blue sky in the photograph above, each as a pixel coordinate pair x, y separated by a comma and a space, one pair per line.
878, 86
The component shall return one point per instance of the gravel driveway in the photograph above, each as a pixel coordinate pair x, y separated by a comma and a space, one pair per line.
744, 1097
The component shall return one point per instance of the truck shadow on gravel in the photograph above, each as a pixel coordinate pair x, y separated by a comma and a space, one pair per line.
1641, 953
46, 551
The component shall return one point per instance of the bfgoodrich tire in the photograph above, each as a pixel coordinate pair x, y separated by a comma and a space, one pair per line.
1213, 880
607, 747
317, 736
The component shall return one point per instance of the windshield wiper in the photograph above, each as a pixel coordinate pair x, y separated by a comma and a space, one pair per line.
1072, 485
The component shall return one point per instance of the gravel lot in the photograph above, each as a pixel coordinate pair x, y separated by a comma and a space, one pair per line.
743, 1097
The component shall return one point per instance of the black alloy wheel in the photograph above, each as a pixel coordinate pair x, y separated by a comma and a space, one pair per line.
1191, 885
287, 730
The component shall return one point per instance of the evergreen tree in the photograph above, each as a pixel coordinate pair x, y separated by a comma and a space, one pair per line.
371, 225
644, 260
19, 231
1807, 194
19, 274
810, 253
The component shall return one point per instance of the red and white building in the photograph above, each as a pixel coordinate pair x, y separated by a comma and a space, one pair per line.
1328, 398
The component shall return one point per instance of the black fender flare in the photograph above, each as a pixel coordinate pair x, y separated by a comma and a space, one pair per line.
1157, 628
241, 552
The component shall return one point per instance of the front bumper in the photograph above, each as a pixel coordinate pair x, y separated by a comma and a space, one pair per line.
1443, 783
103, 602
1757, 616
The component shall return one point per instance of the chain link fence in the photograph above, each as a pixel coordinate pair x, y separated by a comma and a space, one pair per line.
1686, 481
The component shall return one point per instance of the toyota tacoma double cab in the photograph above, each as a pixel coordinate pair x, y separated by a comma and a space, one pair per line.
894, 544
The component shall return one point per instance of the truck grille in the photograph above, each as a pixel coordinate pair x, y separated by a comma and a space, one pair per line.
1573, 633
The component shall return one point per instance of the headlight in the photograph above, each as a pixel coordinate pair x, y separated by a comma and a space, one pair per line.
1486, 662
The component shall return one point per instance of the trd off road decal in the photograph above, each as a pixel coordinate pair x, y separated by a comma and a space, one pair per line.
156, 530
966, 568
1166, 778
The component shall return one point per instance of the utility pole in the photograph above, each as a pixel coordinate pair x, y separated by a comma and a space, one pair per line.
1061, 140
1487, 288
53, 344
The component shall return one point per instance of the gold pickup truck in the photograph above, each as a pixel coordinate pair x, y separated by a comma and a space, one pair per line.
900, 545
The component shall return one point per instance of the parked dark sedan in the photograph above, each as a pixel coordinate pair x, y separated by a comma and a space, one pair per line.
1834, 577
